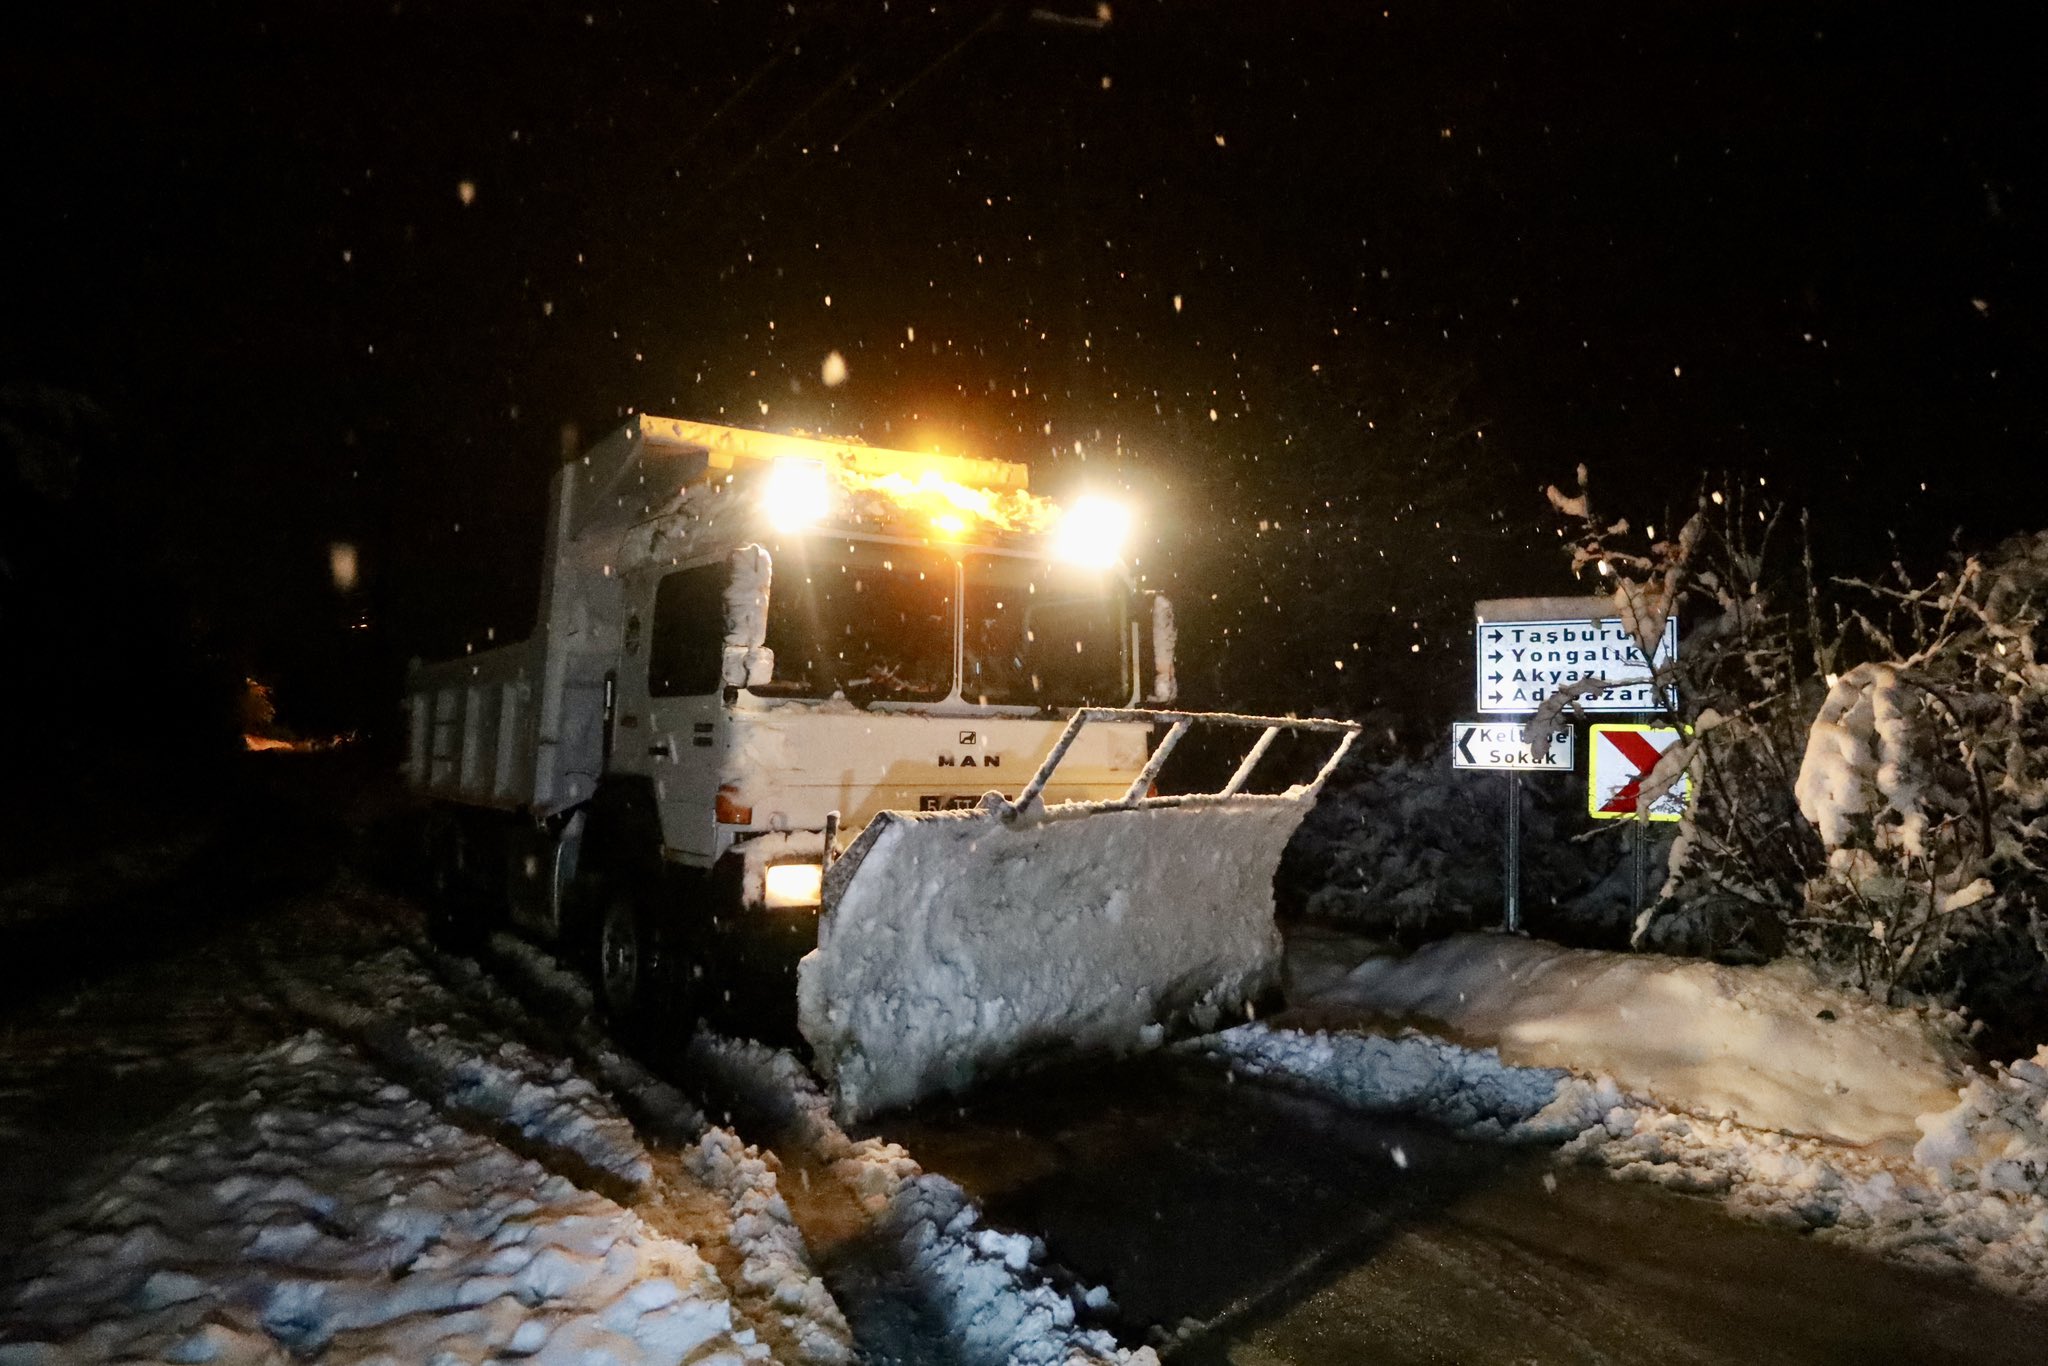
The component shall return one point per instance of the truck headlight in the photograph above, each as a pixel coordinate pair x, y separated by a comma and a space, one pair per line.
792, 885
799, 493
1091, 533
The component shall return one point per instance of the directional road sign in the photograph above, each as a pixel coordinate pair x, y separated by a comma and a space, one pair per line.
1618, 759
1523, 662
1478, 744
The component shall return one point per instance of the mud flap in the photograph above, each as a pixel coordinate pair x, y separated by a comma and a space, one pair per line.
955, 943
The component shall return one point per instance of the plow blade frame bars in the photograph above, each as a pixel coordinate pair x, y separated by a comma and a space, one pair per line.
956, 943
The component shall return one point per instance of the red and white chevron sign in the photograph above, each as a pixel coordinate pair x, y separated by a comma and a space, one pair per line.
1617, 762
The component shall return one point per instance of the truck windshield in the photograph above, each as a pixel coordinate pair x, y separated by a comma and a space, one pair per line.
1046, 635
874, 622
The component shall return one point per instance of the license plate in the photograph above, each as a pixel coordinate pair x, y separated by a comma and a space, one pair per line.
950, 802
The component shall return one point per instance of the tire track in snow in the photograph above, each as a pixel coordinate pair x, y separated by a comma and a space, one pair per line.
307, 1202
919, 1267
508, 1088
924, 1278
777, 1273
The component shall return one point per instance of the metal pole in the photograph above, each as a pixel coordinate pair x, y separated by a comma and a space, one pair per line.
1514, 854
1637, 858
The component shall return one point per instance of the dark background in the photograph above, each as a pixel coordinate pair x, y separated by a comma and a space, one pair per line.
1333, 289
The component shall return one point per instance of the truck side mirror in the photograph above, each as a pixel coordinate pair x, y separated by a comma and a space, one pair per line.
746, 668
748, 663
1165, 687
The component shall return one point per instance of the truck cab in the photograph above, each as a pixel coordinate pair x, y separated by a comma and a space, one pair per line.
750, 645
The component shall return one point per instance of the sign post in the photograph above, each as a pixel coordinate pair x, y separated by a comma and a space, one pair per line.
1528, 650
1513, 910
1500, 746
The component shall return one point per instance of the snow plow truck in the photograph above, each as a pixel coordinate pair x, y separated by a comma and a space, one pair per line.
872, 734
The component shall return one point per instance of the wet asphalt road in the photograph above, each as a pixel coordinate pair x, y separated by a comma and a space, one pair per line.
1258, 1227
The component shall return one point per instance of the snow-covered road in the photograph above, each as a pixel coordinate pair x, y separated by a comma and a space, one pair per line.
314, 1136
303, 1134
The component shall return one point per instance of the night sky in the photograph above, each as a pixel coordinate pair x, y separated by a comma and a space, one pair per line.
1335, 288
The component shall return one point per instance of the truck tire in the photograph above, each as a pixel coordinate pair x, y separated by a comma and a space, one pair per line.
624, 962
644, 978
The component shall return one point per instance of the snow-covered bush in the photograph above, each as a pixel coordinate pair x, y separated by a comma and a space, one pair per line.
1926, 777
1411, 849
1870, 771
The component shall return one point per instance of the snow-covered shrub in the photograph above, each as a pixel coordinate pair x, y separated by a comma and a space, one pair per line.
1926, 777
1752, 649
1411, 848
1870, 773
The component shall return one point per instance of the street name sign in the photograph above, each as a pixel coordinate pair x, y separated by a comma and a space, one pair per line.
1618, 758
1522, 661
1499, 745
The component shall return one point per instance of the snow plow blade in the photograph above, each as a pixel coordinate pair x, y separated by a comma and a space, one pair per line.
956, 943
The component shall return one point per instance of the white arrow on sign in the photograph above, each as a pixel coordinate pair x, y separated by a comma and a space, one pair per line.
1496, 745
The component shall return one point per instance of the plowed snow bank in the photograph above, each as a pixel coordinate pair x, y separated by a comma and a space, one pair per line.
1770, 1047
1973, 1200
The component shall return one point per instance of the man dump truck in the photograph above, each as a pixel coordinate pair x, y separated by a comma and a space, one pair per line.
874, 733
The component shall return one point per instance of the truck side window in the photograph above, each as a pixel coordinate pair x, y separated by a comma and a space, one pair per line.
684, 657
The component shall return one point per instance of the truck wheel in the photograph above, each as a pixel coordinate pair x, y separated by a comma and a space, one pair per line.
644, 983
623, 961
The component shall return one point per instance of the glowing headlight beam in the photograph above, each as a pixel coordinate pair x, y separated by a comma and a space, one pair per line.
1092, 532
799, 493
790, 886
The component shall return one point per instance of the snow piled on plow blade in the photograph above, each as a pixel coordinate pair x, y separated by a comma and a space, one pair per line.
954, 943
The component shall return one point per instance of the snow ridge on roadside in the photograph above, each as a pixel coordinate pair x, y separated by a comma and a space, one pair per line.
987, 1287
776, 1265
1469, 1090
1972, 1199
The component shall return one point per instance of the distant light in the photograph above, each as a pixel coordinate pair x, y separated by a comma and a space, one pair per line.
799, 493
1092, 532
341, 565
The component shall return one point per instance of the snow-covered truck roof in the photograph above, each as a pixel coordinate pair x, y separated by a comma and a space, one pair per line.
646, 466
731, 447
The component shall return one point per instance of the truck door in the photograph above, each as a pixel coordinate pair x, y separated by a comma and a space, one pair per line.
671, 710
